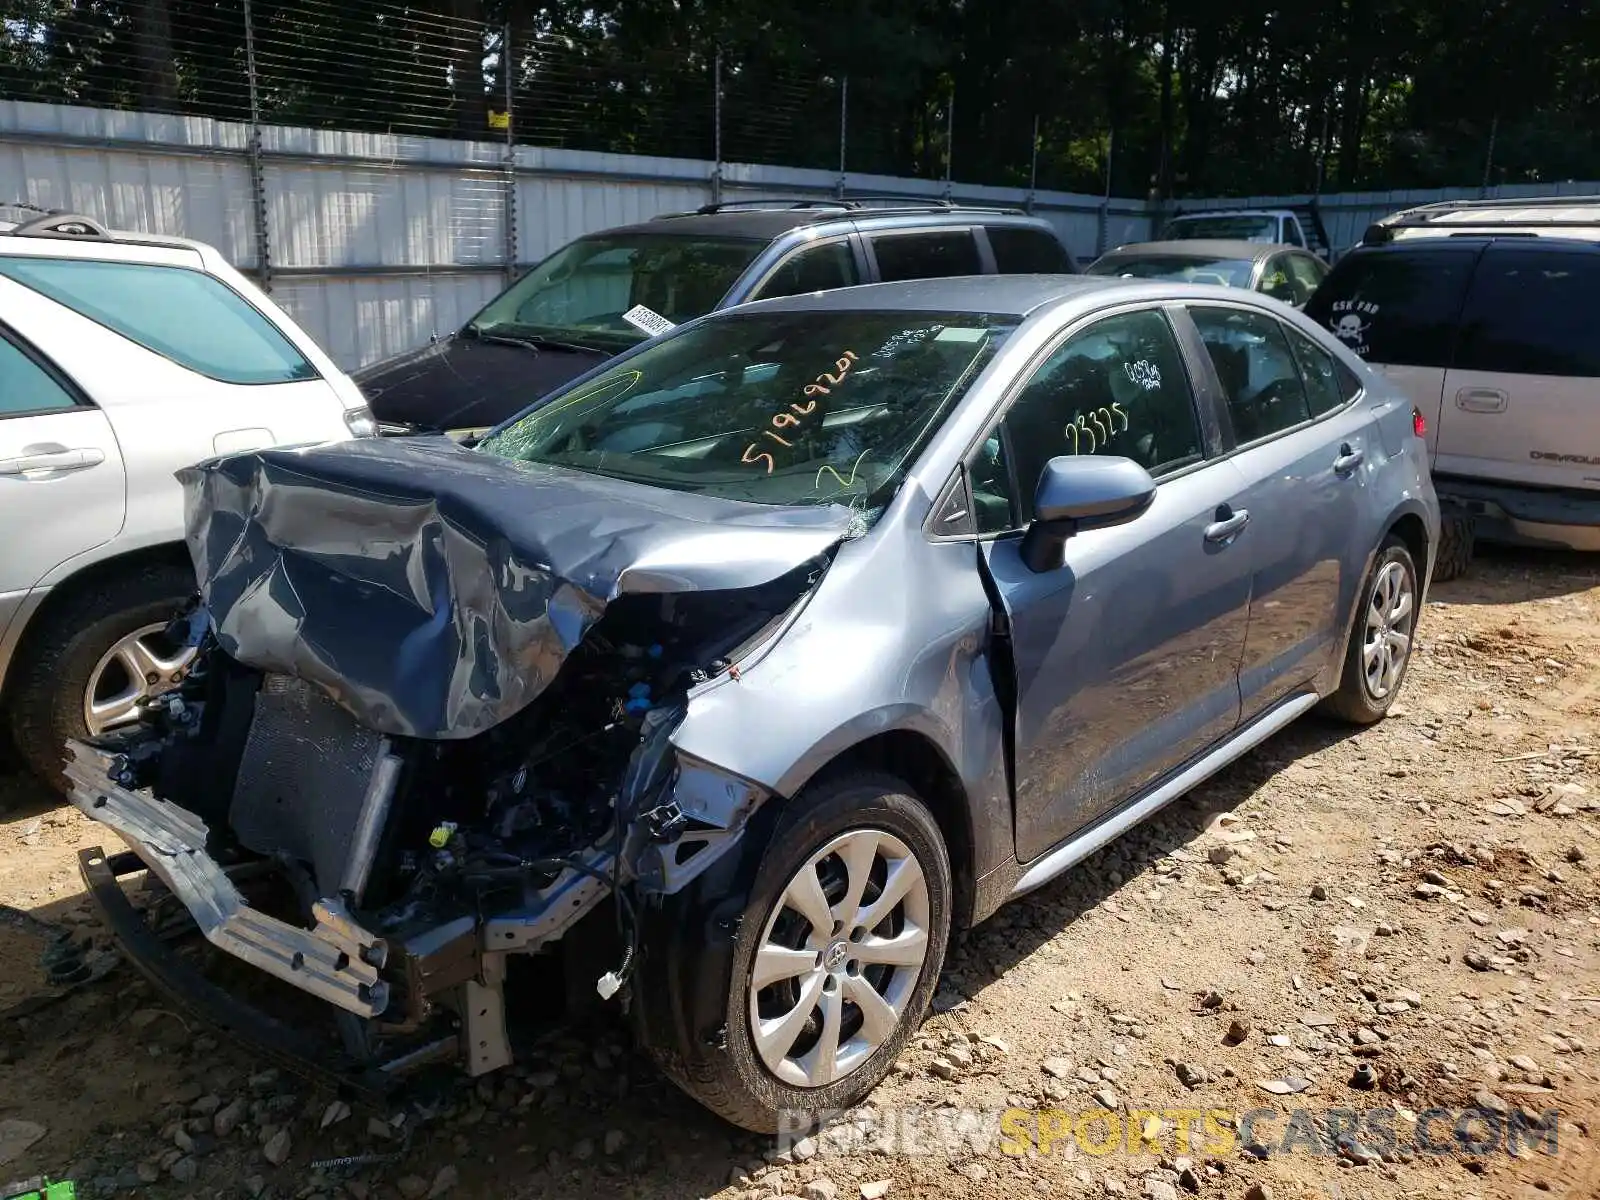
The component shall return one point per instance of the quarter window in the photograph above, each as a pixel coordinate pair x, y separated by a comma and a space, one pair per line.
185, 316
1260, 380
1395, 306
926, 255
814, 269
1020, 250
26, 387
1118, 387
1531, 312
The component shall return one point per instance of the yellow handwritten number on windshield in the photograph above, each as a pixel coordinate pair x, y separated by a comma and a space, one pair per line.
789, 420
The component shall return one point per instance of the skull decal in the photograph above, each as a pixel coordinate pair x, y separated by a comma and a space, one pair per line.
1351, 329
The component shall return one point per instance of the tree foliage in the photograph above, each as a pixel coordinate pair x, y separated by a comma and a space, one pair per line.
1168, 97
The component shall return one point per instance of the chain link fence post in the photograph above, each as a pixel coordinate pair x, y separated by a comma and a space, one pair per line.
1105, 201
258, 173
1033, 169
949, 143
508, 71
844, 115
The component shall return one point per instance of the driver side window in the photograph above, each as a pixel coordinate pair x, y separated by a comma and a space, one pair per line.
1117, 388
1260, 381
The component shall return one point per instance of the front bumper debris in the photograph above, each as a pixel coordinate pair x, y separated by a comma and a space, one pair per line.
251, 1027
335, 960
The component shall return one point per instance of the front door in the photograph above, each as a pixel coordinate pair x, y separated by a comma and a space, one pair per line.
1126, 657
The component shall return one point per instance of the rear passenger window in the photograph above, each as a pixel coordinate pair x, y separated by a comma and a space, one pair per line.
926, 255
1019, 250
1532, 312
1260, 378
1326, 383
185, 316
1395, 306
814, 269
26, 386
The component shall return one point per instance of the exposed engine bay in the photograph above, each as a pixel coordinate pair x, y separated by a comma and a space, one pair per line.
420, 863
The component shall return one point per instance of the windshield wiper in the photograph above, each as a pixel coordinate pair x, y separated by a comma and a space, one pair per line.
533, 341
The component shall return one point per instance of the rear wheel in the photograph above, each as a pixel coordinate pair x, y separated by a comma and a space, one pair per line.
1380, 644
1455, 543
94, 660
836, 955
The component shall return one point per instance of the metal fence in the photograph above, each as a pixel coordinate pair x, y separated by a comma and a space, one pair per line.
377, 241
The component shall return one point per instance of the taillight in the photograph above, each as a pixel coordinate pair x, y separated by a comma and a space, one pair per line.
1419, 424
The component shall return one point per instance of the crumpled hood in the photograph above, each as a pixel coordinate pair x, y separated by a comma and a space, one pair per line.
466, 383
433, 591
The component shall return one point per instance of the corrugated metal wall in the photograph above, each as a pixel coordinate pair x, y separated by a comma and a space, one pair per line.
376, 242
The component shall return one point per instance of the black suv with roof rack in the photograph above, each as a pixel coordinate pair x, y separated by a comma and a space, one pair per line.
607, 291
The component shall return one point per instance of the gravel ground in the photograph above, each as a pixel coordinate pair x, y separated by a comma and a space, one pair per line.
1349, 930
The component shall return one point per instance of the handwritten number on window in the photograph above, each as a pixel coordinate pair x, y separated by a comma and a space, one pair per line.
1088, 433
787, 420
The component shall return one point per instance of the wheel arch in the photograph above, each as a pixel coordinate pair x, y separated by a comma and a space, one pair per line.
913, 757
87, 578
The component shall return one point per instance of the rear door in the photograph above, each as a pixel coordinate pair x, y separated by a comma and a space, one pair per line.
1522, 398
1305, 450
1398, 308
62, 491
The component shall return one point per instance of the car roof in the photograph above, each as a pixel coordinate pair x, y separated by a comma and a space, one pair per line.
995, 295
764, 221
1207, 248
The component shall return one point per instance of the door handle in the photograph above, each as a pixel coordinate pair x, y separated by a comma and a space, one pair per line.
1229, 521
1349, 459
1487, 400
52, 460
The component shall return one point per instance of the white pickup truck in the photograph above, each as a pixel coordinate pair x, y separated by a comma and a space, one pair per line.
1279, 226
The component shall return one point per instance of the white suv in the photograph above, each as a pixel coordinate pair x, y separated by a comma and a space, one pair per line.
123, 358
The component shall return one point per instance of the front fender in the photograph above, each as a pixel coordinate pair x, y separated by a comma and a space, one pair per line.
895, 639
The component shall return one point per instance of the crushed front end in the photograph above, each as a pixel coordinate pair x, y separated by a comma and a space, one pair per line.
383, 846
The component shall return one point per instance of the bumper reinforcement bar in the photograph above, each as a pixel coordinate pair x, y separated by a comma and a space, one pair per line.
336, 960
256, 1030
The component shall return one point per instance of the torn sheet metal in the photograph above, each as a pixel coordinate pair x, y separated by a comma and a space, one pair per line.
433, 590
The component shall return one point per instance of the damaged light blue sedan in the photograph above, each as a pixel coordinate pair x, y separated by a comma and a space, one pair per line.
739, 672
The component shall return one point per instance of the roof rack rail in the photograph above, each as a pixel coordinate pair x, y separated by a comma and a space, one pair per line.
769, 202
1382, 232
58, 224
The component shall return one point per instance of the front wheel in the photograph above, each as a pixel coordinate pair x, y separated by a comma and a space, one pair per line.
837, 951
1380, 644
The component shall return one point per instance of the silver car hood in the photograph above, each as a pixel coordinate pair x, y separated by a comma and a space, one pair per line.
432, 590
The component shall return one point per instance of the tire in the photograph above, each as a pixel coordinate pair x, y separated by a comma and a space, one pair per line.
692, 995
1362, 698
47, 688
1455, 544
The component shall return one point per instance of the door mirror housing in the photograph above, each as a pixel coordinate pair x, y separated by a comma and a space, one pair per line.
1078, 493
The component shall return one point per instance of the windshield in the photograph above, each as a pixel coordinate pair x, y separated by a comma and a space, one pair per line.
1232, 272
580, 293
1258, 228
776, 408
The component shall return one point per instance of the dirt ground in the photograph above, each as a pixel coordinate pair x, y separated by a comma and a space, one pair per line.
1390, 922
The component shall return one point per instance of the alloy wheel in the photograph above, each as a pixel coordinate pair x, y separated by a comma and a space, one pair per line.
1391, 616
143, 664
839, 958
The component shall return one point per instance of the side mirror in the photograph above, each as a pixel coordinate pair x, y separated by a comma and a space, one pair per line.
1078, 493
